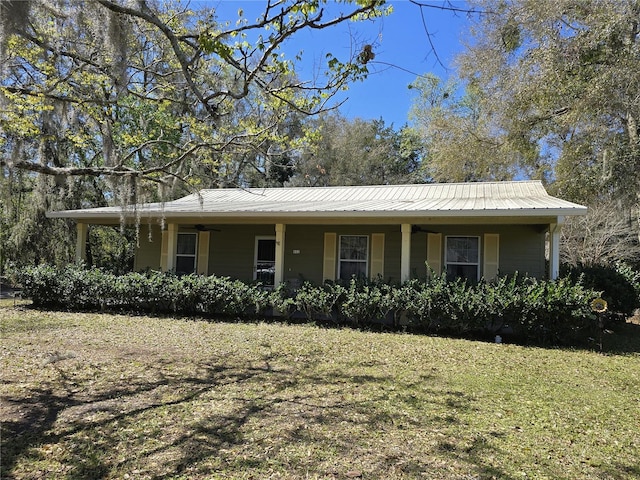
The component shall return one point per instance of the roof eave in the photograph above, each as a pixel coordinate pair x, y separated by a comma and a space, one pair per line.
129, 215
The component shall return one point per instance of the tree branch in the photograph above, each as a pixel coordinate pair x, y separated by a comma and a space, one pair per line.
148, 16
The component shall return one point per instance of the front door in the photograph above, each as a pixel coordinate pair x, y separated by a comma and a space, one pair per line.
265, 260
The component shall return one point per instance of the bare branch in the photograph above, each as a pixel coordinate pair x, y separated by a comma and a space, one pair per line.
446, 7
450, 8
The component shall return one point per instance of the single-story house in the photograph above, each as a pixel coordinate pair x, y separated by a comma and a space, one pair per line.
395, 232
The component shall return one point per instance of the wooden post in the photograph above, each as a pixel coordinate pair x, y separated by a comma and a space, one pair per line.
554, 248
405, 253
81, 242
279, 266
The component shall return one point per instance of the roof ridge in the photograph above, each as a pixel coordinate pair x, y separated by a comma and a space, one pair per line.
328, 187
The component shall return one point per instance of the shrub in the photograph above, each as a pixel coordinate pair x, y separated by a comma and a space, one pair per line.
320, 302
366, 302
633, 277
282, 300
619, 284
537, 311
555, 312
41, 284
457, 307
85, 289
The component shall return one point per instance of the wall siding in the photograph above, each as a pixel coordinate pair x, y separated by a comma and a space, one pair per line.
522, 250
521, 246
232, 249
148, 251
419, 255
308, 264
309, 240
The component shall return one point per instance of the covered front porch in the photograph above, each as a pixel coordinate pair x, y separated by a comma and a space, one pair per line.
292, 252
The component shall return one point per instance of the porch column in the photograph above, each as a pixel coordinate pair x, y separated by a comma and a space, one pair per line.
405, 252
554, 248
279, 273
81, 242
172, 246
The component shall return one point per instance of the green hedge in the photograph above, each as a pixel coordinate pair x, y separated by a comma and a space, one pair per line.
79, 288
552, 312
619, 283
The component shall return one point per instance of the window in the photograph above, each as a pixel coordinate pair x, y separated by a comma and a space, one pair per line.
354, 250
265, 260
186, 253
463, 258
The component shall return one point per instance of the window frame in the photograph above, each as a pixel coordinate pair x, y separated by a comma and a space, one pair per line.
365, 261
477, 264
194, 255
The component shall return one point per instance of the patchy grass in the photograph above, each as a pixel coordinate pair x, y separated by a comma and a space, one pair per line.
89, 396
14, 302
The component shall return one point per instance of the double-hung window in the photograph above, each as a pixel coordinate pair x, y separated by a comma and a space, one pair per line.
462, 258
354, 256
186, 253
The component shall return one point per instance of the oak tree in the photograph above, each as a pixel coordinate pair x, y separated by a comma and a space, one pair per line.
153, 91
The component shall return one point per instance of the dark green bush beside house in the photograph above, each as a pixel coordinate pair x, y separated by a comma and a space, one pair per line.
536, 311
619, 284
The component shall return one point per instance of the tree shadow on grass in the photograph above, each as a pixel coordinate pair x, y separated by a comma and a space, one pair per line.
238, 419
52, 414
622, 338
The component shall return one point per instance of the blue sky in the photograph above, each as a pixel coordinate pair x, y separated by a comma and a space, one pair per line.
398, 40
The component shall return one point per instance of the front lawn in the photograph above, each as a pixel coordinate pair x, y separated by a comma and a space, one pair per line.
87, 396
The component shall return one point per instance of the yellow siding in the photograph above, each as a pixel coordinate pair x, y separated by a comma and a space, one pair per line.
232, 250
521, 246
304, 254
148, 253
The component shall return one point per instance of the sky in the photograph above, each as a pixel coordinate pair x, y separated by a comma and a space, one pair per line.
398, 40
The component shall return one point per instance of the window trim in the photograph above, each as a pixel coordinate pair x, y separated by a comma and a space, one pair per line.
478, 263
194, 255
365, 261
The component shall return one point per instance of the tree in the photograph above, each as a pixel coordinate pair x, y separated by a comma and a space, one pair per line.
462, 139
111, 101
358, 152
563, 76
149, 91
601, 237
26, 235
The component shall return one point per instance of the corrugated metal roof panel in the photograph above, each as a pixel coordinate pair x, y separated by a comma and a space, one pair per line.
517, 198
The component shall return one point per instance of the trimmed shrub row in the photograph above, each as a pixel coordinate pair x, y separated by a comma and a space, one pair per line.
556, 312
77, 288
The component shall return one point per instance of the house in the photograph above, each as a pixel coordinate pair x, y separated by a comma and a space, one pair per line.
473, 230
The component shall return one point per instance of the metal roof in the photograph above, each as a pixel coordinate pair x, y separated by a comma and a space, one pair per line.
518, 198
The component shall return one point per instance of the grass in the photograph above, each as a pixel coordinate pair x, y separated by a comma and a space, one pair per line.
87, 396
